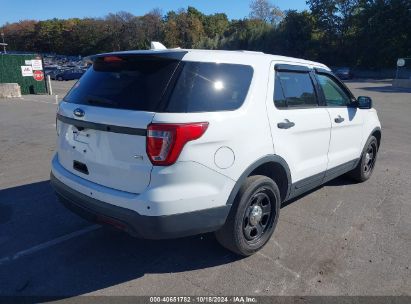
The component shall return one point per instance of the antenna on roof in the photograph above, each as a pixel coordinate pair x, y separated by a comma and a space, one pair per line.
155, 45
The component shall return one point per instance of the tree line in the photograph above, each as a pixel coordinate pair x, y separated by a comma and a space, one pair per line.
357, 33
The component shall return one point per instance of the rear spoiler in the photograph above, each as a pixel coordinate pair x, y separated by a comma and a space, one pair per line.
176, 54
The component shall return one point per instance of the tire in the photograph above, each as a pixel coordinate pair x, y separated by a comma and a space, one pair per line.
366, 165
252, 218
60, 79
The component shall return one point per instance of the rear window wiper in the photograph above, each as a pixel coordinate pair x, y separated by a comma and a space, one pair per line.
100, 100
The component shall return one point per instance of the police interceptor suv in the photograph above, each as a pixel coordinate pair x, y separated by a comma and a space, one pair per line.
170, 143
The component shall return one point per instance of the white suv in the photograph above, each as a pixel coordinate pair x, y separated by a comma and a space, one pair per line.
170, 143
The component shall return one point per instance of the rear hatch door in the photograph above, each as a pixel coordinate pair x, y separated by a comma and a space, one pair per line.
102, 121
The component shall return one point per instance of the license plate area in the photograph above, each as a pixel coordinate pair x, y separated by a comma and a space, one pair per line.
81, 135
105, 158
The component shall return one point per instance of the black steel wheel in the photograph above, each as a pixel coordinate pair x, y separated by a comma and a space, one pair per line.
366, 164
370, 157
253, 216
258, 216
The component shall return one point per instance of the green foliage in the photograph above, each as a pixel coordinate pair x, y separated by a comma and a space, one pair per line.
367, 33
384, 31
295, 34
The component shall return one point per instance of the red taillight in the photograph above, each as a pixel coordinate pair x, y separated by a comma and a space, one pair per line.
165, 141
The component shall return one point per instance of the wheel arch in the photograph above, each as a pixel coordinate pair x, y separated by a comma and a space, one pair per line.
272, 166
377, 134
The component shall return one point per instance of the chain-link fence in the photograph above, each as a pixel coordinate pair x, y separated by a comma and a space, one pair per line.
21, 69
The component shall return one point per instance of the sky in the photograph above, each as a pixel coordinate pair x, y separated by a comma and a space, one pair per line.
15, 10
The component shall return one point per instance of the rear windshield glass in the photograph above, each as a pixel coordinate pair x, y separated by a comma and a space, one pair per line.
147, 83
135, 83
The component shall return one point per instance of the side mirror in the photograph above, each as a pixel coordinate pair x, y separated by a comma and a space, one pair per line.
364, 102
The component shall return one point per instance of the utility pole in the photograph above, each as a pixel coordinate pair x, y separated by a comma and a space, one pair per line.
3, 44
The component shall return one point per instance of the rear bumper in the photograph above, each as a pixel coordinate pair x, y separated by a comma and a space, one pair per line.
150, 227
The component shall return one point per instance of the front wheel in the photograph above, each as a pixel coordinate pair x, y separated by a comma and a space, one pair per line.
367, 162
252, 217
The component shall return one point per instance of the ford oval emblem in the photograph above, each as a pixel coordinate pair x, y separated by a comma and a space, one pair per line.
78, 112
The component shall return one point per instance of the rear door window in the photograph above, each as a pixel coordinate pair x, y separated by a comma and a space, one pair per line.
294, 89
148, 83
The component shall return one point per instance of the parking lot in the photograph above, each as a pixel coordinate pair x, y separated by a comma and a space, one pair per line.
342, 239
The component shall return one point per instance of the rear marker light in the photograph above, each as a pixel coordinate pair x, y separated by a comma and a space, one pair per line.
166, 141
112, 222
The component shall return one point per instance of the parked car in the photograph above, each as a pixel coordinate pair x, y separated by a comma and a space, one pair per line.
53, 73
170, 143
344, 73
70, 74
49, 68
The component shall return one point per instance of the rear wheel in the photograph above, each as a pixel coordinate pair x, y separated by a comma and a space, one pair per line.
253, 216
367, 162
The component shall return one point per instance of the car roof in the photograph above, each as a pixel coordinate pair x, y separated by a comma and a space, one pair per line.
226, 56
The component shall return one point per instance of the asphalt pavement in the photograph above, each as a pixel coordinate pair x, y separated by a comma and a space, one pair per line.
341, 239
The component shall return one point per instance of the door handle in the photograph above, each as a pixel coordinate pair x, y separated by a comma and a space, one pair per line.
286, 124
339, 119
